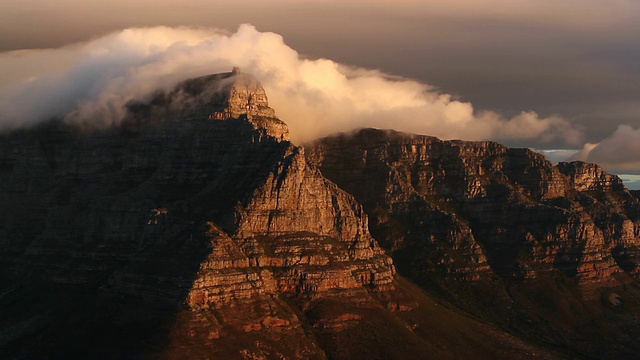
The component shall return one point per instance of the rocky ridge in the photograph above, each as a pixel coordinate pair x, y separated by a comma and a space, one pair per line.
483, 208
499, 231
209, 206
196, 228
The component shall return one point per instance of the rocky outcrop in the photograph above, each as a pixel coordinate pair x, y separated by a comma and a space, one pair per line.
590, 177
471, 209
195, 229
548, 252
614, 210
198, 199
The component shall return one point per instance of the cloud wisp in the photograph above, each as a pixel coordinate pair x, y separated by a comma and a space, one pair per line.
619, 153
91, 82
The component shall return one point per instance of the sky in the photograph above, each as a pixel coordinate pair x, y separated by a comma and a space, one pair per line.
548, 75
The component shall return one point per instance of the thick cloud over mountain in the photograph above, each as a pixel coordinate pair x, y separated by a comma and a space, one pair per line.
90, 83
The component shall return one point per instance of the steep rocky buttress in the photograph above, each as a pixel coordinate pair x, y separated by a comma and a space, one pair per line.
195, 229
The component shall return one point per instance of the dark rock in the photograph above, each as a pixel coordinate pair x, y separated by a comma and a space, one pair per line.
497, 230
195, 229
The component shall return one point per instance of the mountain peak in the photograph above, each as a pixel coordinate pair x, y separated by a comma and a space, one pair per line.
229, 95
217, 97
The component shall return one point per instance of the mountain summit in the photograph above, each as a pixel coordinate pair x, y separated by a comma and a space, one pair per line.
225, 96
195, 229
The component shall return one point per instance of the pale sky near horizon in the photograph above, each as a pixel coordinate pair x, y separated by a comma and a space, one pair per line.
576, 59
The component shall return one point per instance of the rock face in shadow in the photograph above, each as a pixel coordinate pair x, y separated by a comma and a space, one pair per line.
483, 208
483, 221
195, 229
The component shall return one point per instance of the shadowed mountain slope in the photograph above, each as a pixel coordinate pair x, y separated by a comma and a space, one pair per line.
195, 229
548, 252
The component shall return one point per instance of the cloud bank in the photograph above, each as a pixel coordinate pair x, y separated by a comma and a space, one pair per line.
619, 153
90, 82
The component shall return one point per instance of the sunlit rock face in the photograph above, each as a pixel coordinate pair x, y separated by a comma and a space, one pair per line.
195, 229
196, 226
198, 198
471, 209
501, 232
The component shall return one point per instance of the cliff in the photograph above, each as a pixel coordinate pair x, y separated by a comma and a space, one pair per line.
494, 229
485, 208
195, 229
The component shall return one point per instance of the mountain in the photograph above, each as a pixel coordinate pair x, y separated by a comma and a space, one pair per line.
196, 229
548, 252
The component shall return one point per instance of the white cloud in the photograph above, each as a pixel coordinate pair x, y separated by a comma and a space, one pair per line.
619, 153
92, 81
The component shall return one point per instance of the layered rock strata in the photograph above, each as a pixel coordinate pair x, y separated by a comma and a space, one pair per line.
471, 209
197, 198
548, 252
195, 229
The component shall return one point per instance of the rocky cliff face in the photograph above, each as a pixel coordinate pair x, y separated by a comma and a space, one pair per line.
196, 229
477, 208
499, 231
